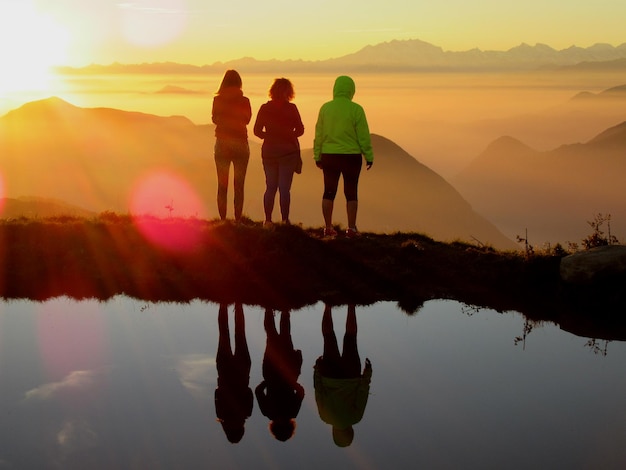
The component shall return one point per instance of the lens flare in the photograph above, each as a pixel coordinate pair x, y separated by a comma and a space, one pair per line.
164, 193
71, 337
32, 43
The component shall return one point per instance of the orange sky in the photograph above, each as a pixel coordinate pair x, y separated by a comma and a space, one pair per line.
79, 32
37, 34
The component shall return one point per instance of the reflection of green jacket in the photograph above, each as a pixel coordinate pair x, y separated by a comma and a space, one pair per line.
341, 124
341, 402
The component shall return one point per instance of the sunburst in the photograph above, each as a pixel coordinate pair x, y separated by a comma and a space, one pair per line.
31, 44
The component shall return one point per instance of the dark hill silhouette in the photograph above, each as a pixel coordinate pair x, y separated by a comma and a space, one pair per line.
578, 119
400, 193
613, 93
552, 193
92, 157
40, 208
615, 137
502, 151
107, 159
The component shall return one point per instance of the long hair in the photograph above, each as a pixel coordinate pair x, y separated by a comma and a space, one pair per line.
282, 89
231, 79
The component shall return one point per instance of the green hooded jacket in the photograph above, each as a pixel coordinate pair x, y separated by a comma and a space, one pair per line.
341, 126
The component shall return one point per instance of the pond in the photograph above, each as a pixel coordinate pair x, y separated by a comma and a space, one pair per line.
131, 384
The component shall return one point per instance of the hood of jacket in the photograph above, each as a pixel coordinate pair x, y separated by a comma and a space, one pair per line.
344, 87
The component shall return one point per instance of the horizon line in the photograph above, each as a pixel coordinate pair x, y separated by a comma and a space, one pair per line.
313, 61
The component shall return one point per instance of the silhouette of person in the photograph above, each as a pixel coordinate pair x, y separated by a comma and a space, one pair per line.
233, 396
280, 395
231, 114
342, 138
279, 124
341, 390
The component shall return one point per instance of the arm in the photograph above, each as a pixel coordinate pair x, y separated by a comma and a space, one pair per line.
364, 138
259, 124
298, 127
260, 396
215, 111
367, 370
247, 111
299, 389
317, 142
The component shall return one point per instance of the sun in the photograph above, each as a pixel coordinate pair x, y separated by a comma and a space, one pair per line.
31, 43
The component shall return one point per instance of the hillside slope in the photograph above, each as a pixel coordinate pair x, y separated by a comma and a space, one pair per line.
105, 159
553, 193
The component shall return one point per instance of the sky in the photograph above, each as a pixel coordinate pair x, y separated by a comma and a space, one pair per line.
82, 32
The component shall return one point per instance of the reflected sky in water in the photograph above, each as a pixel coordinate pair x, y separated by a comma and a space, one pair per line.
130, 384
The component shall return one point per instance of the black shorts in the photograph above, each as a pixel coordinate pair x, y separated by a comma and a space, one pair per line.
347, 165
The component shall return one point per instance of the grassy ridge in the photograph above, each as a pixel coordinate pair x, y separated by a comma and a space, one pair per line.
278, 266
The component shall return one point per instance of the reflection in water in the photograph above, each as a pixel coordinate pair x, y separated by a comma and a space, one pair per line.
143, 398
341, 390
279, 394
233, 396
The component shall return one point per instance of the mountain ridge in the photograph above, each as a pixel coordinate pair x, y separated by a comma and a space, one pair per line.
105, 159
552, 193
395, 55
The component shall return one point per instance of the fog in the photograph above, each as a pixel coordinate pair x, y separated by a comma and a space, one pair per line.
443, 119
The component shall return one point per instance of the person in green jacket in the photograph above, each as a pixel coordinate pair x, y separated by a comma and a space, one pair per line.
341, 389
342, 139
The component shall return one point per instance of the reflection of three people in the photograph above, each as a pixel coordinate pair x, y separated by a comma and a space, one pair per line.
341, 389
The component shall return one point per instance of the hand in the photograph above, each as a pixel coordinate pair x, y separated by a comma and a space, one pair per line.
318, 164
369, 165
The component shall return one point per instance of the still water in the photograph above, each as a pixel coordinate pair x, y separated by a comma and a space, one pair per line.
129, 384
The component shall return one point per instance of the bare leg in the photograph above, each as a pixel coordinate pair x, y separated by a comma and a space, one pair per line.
327, 212
331, 348
238, 185
241, 345
222, 186
350, 353
351, 207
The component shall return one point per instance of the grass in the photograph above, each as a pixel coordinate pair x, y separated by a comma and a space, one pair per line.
280, 267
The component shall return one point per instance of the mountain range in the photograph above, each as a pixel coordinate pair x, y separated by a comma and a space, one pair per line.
554, 193
398, 56
103, 159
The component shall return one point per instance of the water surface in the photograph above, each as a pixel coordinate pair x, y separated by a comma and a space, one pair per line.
130, 384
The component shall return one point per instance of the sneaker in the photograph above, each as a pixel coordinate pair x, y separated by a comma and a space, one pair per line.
352, 233
330, 232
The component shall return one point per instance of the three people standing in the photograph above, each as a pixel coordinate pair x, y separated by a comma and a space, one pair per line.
342, 140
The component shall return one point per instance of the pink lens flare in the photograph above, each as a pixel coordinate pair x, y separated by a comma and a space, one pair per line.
159, 203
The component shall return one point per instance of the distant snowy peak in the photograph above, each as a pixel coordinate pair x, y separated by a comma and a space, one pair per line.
417, 53
401, 55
